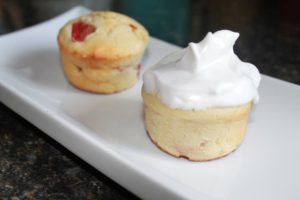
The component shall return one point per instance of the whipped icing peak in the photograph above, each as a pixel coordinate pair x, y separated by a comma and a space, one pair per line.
204, 74
213, 48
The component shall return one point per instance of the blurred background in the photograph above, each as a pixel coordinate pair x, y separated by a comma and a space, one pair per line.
269, 28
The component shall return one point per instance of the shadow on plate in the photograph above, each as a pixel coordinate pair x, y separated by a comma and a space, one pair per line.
116, 118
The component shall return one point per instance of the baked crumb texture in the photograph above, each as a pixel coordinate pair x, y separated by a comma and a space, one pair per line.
195, 135
106, 58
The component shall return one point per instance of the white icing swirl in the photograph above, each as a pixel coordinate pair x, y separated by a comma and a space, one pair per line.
203, 75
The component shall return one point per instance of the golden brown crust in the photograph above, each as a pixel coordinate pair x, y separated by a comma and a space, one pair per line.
196, 135
106, 60
99, 80
113, 39
184, 156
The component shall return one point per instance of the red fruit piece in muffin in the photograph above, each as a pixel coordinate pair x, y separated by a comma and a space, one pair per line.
80, 30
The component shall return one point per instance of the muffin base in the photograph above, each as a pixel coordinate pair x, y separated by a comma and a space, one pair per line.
195, 135
100, 77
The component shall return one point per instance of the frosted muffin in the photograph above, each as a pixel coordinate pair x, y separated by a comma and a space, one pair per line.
197, 100
101, 51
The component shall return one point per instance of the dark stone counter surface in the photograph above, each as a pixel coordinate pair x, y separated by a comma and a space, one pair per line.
33, 166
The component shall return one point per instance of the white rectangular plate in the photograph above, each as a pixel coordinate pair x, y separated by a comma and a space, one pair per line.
108, 132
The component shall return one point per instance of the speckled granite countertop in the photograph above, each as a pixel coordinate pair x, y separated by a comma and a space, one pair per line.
33, 166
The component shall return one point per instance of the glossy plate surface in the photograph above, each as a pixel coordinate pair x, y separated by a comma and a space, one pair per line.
108, 132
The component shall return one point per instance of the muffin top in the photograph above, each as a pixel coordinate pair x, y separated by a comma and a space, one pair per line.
103, 35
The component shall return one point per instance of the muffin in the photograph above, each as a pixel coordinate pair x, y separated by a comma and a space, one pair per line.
101, 51
197, 100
